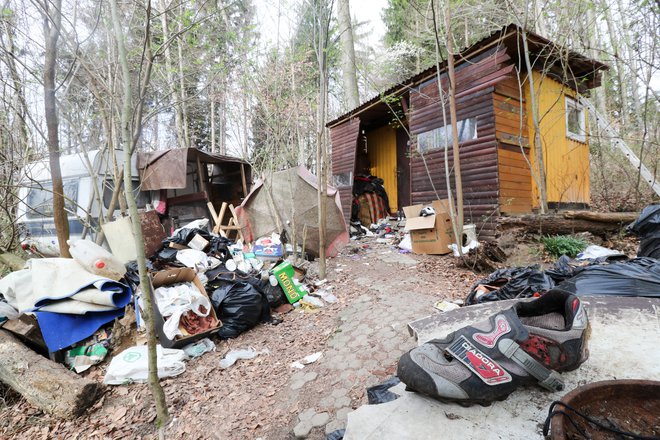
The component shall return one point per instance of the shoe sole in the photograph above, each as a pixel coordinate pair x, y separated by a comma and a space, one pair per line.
465, 403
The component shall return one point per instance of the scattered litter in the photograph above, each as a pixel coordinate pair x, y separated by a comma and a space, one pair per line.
592, 252
473, 244
196, 349
312, 301
445, 306
193, 258
131, 365
241, 353
380, 393
300, 364
81, 358
336, 435
406, 244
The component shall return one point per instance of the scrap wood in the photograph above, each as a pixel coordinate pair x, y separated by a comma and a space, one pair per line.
43, 383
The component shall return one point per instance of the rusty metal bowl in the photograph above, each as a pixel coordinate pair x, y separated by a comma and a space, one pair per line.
629, 405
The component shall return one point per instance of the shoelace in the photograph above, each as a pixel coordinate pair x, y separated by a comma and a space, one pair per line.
552, 412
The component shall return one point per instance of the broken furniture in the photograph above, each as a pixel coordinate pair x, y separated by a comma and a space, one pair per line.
191, 178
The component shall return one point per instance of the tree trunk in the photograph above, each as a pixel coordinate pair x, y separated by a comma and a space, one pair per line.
454, 125
45, 384
52, 22
349, 74
538, 143
322, 46
129, 139
174, 97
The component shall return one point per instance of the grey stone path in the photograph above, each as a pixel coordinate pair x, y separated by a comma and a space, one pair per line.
370, 337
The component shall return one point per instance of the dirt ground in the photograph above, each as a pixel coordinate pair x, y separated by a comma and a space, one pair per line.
256, 398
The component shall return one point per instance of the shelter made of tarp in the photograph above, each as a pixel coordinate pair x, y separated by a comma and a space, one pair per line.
166, 169
288, 201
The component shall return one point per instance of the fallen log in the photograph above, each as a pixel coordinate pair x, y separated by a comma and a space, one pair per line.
605, 217
557, 224
45, 384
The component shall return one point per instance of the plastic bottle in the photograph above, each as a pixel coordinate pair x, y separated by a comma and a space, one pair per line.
96, 260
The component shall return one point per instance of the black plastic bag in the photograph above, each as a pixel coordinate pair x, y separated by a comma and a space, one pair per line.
240, 307
274, 294
381, 393
515, 282
647, 228
636, 277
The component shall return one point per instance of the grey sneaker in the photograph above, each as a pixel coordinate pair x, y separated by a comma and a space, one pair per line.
529, 343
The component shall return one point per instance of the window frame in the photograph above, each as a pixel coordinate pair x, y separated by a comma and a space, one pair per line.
439, 133
572, 103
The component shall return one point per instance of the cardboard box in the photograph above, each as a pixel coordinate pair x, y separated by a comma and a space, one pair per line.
285, 273
431, 234
173, 276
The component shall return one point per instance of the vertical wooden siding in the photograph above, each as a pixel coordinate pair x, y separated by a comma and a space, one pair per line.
381, 148
566, 161
476, 81
344, 146
515, 180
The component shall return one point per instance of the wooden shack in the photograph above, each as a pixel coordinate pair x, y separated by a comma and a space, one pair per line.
399, 135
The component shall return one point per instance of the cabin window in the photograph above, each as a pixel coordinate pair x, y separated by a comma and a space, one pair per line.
40, 199
576, 121
440, 137
343, 179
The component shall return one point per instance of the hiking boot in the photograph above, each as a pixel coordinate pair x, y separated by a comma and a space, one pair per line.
528, 343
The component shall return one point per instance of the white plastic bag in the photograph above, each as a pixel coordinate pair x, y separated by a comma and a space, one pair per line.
175, 300
131, 365
241, 353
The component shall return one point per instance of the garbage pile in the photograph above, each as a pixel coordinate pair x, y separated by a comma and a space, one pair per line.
204, 286
595, 271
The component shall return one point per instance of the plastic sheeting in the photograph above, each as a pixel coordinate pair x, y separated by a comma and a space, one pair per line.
637, 277
647, 228
510, 283
604, 276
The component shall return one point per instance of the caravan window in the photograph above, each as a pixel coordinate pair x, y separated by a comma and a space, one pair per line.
40, 199
141, 197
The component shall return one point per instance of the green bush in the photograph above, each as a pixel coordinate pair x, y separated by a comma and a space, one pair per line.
559, 245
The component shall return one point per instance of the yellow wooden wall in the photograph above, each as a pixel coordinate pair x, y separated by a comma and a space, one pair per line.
566, 161
381, 149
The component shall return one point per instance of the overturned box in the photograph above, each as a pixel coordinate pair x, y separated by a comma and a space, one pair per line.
431, 234
174, 276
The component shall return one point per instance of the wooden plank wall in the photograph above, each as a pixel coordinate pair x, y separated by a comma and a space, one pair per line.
344, 146
476, 81
515, 179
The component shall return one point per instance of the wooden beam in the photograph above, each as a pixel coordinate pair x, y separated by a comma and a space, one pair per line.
244, 180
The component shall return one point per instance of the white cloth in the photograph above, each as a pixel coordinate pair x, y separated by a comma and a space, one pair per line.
61, 285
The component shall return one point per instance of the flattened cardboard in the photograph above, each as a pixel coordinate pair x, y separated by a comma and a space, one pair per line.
173, 276
431, 234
